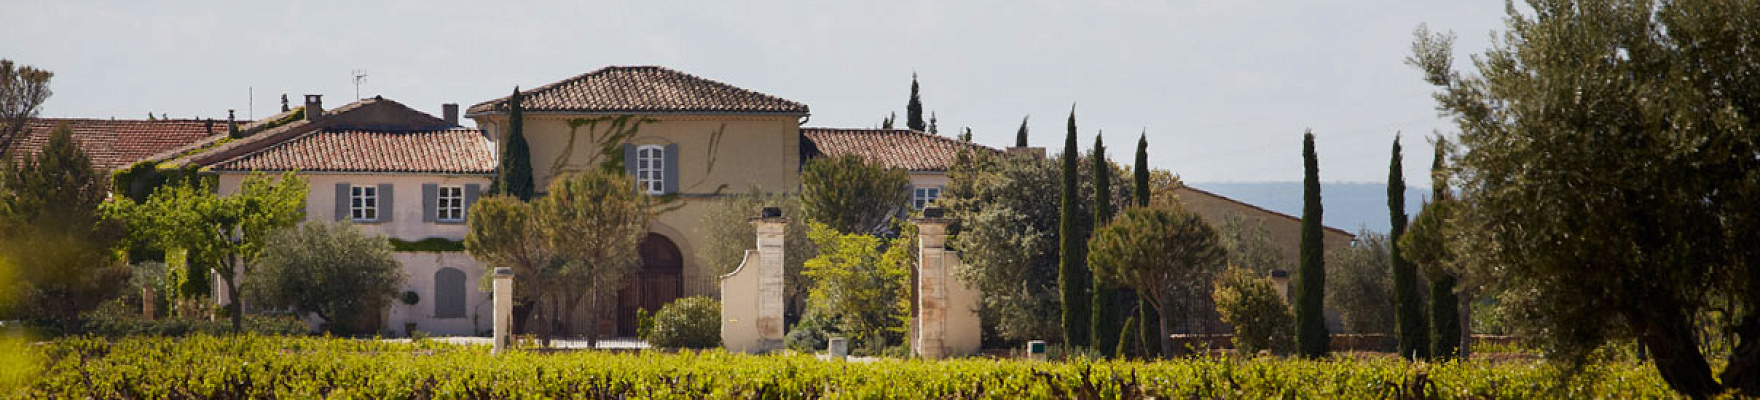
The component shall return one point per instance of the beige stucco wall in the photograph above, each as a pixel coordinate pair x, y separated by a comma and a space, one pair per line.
1284, 231
739, 306
406, 208
420, 268
760, 151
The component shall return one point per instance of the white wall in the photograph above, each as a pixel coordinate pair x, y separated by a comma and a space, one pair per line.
406, 205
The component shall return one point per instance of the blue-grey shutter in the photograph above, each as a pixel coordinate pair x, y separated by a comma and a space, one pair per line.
449, 293
471, 192
430, 202
342, 199
671, 172
629, 160
910, 196
385, 202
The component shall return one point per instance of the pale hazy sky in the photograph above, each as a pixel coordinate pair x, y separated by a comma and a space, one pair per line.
1224, 88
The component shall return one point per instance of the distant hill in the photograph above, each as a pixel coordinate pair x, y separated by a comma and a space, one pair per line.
1350, 206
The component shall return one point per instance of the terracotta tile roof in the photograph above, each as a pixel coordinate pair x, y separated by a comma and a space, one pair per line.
449, 151
644, 89
114, 144
898, 148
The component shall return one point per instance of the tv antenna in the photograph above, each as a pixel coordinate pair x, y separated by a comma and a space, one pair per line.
359, 75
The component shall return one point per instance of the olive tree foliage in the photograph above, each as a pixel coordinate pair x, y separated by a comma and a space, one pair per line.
1608, 168
728, 233
1249, 244
1007, 235
1161, 252
224, 234
571, 248
502, 233
851, 194
1359, 286
327, 269
23, 89
56, 256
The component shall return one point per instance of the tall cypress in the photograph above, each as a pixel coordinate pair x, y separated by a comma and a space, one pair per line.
1020, 136
1414, 333
914, 110
1445, 311
1312, 339
1072, 269
1147, 319
1108, 306
515, 178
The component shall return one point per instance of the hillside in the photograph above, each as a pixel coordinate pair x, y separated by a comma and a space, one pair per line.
1351, 206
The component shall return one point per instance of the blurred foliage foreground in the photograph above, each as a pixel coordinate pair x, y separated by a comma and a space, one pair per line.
252, 366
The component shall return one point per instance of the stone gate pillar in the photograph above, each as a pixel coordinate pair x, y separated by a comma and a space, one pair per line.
752, 295
947, 310
503, 319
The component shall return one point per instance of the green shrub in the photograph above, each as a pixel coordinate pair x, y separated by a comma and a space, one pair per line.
691, 322
644, 324
1262, 321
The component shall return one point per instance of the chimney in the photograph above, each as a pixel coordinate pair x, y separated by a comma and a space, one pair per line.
232, 124
314, 107
1280, 279
449, 112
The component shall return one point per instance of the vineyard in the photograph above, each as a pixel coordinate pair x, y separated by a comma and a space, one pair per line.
283, 367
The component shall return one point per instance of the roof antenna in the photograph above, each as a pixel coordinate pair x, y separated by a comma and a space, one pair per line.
359, 75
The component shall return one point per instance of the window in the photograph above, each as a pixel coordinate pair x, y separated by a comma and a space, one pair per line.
923, 196
363, 203
651, 169
450, 206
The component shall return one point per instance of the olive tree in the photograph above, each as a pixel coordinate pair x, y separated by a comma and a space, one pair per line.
327, 269
1608, 167
592, 222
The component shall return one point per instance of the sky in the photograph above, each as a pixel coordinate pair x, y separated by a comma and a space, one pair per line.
1222, 88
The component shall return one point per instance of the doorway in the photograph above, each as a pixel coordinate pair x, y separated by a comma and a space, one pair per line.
659, 281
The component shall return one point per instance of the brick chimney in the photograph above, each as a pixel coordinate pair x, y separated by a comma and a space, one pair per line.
314, 107
449, 112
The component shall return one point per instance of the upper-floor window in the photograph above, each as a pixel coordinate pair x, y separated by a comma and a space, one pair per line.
923, 196
450, 204
363, 203
651, 169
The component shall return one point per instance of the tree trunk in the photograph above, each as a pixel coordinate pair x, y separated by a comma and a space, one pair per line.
1166, 323
1669, 337
1743, 372
1466, 318
235, 304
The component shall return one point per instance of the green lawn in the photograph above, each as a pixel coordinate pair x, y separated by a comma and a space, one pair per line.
300, 367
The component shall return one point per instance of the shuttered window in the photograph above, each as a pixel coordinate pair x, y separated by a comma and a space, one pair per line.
363, 203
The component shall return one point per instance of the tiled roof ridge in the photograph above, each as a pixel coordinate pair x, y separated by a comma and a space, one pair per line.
903, 131
498, 104
223, 165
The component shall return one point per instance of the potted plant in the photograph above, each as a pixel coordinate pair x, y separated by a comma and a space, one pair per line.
410, 298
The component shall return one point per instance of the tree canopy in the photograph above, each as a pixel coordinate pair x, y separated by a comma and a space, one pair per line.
23, 89
1158, 251
1609, 168
852, 195
51, 231
328, 269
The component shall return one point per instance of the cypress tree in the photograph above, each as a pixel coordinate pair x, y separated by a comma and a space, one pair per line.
1108, 305
1312, 339
1072, 269
1020, 137
933, 128
1147, 319
1414, 333
1445, 313
515, 178
914, 110
284, 107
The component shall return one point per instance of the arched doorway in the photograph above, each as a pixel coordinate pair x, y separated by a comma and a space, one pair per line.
660, 280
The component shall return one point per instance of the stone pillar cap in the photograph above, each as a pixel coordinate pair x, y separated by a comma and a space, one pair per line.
504, 271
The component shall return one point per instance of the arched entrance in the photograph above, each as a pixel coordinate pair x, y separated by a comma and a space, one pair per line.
659, 281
